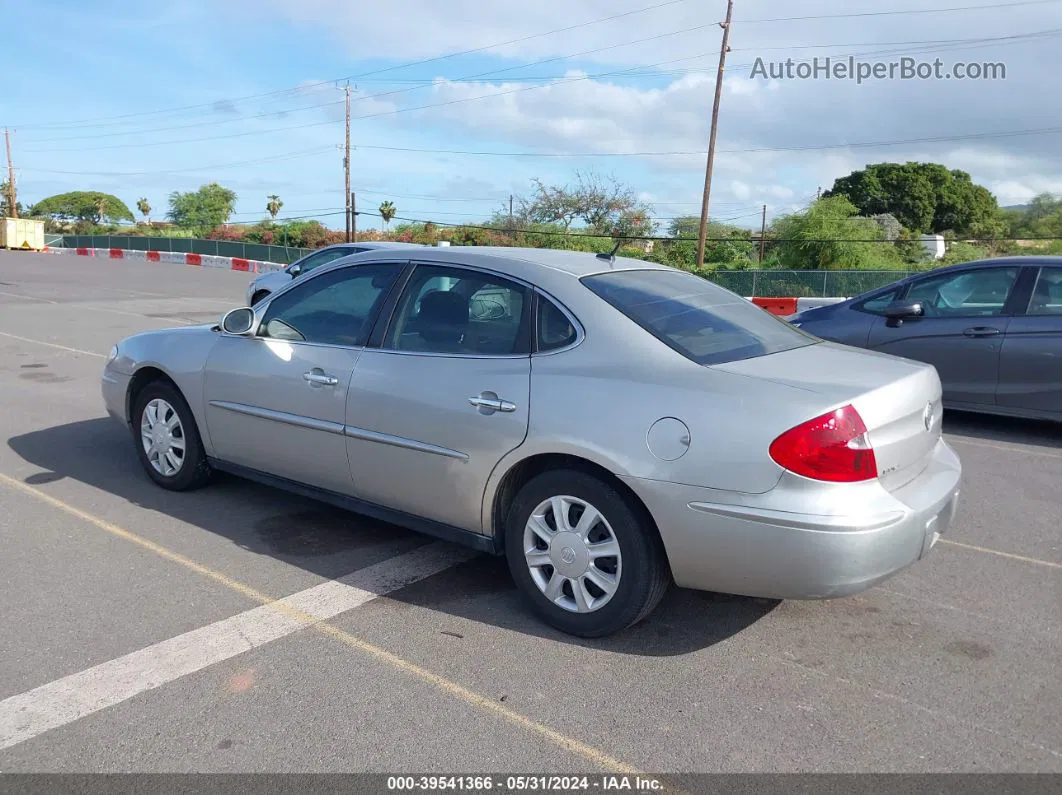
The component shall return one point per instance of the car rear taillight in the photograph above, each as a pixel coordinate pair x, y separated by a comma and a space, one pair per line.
834, 447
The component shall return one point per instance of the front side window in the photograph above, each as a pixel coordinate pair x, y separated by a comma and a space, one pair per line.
460, 311
695, 317
1047, 295
307, 264
975, 293
877, 304
334, 308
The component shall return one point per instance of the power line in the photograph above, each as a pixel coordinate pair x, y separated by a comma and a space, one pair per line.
562, 81
903, 12
267, 159
304, 87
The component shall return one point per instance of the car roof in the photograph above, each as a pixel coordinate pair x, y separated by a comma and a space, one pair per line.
514, 261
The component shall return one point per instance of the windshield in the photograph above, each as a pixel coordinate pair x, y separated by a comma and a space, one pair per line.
695, 317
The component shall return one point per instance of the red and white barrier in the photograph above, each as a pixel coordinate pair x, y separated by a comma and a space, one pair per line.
178, 257
783, 307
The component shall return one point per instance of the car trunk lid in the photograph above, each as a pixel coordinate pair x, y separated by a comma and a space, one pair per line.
898, 399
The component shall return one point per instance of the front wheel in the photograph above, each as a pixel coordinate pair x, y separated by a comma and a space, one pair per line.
586, 559
258, 297
167, 440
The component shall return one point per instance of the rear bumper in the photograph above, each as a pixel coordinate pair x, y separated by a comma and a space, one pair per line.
858, 537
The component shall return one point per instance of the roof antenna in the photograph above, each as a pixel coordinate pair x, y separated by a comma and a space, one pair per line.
611, 256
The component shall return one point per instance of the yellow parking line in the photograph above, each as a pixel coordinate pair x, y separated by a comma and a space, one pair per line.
973, 548
51, 345
570, 744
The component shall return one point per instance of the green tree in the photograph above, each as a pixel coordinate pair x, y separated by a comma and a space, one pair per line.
202, 210
87, 206
829, 235
387, 212
5, 201
924, 197
273, 205
727, 247
144, 208
603, 203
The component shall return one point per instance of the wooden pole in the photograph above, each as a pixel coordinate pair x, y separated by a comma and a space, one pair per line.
715, 129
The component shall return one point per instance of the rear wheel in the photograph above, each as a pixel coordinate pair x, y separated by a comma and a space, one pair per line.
587, 561
167, 440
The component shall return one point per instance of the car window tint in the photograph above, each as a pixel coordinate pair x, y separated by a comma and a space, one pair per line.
1047, 295
974, 293
555, 330
877, 304
460, 311
333, 308
324, 257
695, 317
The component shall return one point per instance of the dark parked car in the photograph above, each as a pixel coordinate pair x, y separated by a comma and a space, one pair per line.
992, 328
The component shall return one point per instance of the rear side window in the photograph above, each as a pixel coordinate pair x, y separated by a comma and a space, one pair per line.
700, 320
555, 330
1047, 295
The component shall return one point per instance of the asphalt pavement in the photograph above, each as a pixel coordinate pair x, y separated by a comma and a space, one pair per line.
139, 635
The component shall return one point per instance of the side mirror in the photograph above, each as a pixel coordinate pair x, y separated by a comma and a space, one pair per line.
295, 270
900, 310
238, 321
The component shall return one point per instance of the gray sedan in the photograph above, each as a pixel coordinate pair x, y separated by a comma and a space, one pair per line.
991, 328
609, 425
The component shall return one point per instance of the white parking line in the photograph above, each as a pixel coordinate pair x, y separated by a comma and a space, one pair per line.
73, 697
52, 345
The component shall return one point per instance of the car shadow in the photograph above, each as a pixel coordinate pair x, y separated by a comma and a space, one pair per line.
329, 542
992, 428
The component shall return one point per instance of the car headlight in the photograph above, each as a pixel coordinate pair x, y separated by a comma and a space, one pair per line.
113, 354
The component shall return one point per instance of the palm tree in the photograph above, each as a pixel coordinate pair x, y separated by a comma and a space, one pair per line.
387, 212
144, 208
274, 205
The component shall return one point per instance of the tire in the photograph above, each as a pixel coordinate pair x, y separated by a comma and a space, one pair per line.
259, 296
185, 469
639, 575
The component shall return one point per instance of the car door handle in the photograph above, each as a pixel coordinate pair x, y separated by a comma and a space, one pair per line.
981, 331
494, 404
317, 377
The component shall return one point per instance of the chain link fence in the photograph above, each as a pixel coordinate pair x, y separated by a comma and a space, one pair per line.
804, 284
187, 245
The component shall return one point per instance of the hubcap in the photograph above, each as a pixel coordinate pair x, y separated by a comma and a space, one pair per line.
162, 435
573, 554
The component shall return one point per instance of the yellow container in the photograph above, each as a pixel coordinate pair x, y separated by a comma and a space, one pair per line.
22, 233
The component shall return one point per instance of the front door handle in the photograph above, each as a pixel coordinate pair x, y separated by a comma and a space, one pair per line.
488, 402
981, 331
316, 376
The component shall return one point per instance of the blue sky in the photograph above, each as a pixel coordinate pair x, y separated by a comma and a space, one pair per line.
141, 101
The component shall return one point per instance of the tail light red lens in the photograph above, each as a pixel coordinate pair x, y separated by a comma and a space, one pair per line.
834, 447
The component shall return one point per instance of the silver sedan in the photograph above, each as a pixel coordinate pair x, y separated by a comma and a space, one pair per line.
609, 425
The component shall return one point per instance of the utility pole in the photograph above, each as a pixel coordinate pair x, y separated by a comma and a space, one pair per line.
346, 168
715, 128
763, 233
353, 236
12, 208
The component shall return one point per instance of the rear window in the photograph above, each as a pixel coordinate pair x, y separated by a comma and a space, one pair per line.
695, 317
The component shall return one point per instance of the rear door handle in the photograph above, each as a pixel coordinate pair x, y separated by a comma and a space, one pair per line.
318, 377
981, 331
